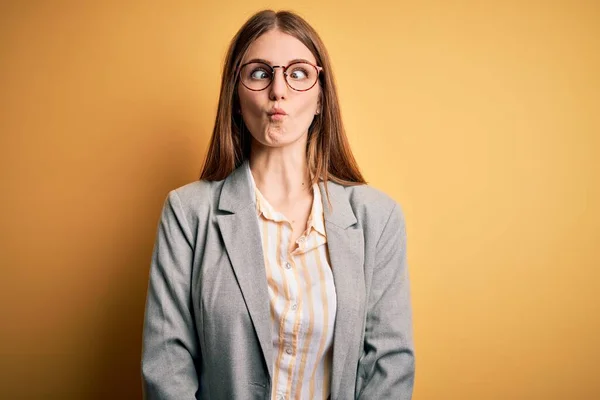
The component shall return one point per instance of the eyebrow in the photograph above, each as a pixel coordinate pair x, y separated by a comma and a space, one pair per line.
262, 60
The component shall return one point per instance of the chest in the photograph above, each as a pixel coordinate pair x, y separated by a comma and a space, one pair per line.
297, 215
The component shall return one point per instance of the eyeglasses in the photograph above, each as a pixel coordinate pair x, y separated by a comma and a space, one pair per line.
300, 76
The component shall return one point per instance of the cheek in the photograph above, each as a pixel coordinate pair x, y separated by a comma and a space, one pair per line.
309, 105
249, 101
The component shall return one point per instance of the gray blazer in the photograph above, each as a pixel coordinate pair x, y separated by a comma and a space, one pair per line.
207, 329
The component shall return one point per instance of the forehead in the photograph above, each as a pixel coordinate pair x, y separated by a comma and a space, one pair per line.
278, 48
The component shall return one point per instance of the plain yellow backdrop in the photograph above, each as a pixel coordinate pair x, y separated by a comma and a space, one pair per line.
479, 117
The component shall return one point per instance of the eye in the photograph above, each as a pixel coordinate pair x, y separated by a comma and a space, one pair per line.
299, 73
260, 73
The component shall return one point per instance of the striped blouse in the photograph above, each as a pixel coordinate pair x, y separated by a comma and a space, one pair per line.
302, 301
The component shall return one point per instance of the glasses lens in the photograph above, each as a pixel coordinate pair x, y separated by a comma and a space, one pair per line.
300, 76
256, 76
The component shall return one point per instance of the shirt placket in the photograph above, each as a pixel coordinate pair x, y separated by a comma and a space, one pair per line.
293, 320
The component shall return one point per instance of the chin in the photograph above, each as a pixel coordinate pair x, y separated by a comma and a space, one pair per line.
282, 139
277, 136
277, 142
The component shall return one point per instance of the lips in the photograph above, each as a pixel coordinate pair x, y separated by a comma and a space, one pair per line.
277, 111
277, 117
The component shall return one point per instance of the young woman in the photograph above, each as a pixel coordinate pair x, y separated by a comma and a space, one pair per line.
279, 274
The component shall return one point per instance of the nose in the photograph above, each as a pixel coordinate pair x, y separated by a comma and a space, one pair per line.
278, 88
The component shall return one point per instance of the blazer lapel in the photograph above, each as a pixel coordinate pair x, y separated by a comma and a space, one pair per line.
346, 252
241, 236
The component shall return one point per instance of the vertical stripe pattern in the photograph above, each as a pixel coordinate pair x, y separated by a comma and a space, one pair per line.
302, 302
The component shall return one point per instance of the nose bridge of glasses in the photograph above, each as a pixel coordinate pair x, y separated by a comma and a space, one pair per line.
283, 70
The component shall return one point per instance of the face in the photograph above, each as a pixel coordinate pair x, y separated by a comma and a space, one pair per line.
278, 48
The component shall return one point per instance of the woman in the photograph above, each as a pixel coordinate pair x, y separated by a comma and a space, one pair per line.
279, 274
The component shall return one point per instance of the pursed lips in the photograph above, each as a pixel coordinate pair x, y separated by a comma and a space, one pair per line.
277, 111
277, 114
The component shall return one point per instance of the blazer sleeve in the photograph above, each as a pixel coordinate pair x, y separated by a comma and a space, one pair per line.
386, 369
170, 352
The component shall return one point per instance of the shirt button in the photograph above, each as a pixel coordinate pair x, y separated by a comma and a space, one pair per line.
289, 351
294, 307
288, 265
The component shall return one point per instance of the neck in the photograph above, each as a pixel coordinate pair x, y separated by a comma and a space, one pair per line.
280, 173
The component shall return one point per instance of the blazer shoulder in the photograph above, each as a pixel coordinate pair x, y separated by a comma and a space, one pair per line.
371, 198
373, 207
198, 197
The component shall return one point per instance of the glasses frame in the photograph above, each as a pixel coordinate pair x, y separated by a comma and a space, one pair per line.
285, 75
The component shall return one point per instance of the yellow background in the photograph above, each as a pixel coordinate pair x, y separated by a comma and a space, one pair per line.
479, 117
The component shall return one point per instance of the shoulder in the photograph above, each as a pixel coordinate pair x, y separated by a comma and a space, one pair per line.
374, 208
194, 198
366, 196
198, 192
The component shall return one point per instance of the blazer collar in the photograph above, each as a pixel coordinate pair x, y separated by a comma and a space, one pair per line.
339, 212
238, 193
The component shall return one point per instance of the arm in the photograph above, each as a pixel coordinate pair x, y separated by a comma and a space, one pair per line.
170, 349
387, 368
